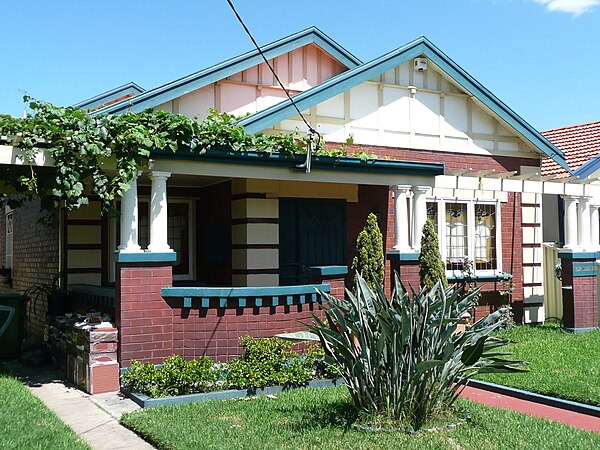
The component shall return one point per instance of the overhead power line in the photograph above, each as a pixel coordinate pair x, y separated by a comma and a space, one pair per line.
311, 130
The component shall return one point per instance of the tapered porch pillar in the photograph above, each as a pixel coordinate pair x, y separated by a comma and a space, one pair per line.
595, 226
419, 214
401, 220
570, 221
583, 223
158, 212
129, 220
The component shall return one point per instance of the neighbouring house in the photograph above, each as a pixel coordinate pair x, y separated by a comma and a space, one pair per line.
565, 216
211, 248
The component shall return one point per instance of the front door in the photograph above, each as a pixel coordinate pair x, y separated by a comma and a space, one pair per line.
312, 232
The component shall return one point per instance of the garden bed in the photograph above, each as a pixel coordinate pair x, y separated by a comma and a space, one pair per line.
147, 402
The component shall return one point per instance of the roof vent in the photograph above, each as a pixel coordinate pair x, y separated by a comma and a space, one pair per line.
420, 64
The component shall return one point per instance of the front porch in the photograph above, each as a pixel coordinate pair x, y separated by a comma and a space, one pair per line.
211, 250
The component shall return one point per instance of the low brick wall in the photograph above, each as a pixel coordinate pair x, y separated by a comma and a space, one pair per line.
153, 328
87, 355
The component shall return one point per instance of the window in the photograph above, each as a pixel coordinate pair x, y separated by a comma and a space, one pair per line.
467, 231
9, 237
179, 234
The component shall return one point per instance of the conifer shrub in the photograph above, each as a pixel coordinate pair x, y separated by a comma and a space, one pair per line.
369, 261
430, 261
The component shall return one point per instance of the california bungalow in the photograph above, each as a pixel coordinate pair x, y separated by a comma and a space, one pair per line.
214, 247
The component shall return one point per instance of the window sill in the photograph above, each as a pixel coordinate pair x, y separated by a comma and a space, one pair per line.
482, 277
327, 271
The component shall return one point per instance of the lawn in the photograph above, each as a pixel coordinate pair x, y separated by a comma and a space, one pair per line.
26, 423
320, 418
564, 365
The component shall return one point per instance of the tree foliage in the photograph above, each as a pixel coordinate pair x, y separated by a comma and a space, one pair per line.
369, 260
430, 261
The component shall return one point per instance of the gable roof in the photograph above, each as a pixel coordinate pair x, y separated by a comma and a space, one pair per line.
117, 94
581, 146
419, 47
232, 66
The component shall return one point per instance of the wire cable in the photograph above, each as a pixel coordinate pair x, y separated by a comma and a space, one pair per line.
310, 129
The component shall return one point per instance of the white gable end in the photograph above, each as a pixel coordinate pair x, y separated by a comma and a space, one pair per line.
408, 109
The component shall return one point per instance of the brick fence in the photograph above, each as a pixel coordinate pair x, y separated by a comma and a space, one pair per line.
152, 328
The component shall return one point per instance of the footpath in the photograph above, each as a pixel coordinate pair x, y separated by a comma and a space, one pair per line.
93, 417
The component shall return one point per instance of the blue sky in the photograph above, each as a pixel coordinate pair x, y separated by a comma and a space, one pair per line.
541, 57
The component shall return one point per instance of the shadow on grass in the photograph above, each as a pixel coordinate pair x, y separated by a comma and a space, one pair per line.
338, 413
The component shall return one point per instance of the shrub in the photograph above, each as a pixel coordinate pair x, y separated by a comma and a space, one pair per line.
176, 377
405, 359
432, 268
369, 261
266, 362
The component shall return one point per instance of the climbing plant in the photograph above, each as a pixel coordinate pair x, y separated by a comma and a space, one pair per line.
369, 261
97, 154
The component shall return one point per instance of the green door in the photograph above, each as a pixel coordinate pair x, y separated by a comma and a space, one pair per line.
312, 232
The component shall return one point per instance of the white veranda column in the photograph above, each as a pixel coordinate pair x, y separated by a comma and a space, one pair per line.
129, 219
595, 226
570, 221
419, 214
158, 212
583, 223
401, 220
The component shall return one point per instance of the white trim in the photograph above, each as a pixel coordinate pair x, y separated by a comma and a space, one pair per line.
441, 230
112, 239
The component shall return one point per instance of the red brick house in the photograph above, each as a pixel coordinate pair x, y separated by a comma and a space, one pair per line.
214, 247
564, 222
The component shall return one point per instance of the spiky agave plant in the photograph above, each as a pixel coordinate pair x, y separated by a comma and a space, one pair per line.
405, 359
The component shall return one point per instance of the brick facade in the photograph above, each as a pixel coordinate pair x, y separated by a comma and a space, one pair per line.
580, 298
35, 258
152, 328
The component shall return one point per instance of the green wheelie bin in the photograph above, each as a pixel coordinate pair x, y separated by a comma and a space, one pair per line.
11, 324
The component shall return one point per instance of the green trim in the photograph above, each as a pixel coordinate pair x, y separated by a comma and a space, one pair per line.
338, 164
585, 268
146, 402
177, 88
237, 297
569, 254
495, 277
327, 271
144, 257
581, 330
113, 94
394, 255
420, 47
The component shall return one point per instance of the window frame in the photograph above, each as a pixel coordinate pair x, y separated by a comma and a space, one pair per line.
191, 236
471, 210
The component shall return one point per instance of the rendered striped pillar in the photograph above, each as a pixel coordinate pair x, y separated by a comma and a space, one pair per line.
255, 234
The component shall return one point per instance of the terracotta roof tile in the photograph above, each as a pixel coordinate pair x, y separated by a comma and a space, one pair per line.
579, 143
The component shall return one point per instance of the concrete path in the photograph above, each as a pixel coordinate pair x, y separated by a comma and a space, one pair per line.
94, 418
577, 420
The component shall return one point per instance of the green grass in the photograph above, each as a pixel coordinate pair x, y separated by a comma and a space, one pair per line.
319, 419
564, 365
26, 423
